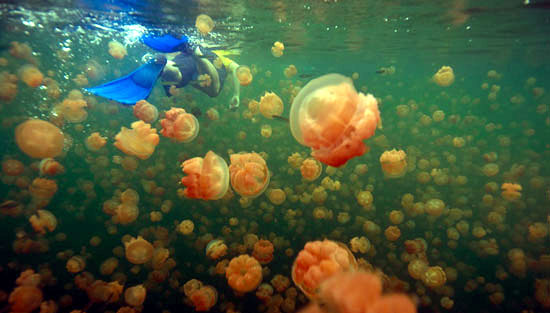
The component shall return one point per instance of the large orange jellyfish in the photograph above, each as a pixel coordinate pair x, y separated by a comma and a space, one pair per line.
145, 111
117, 50
249, 174
138, 251
271, 104
179, 125
31, 75
95, 141
39, 139
140, 141
331, 118
43, 221
207, 178
394, 163
318, 261
244, 273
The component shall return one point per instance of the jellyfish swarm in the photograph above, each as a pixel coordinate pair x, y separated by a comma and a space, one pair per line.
39, 139
140, 141
145, 111
179, 125
244, 273
207, 178
331, 118
318, 261
394, 163
249, 174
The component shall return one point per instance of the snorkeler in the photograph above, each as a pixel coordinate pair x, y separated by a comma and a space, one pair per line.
182, 64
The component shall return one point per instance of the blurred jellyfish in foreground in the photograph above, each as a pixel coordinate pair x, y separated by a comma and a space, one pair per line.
331, 118
140, 141
249, 174
244, 273
39, 139
318, 261
207, 178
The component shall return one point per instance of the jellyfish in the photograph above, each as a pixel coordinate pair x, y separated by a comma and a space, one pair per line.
207, 178
31, 75
264, 292
100, 291
290, 71
318, 261
39, 139
50, 167
8, 86
42, 191
145, 111
392, 233
20, 50
126, 213
95, 141
25, 299
244, 273
135, 295
271, 104
276, 196
138, 250
263, 251
215, 249
365, 199
511, 191
434, 207
205, 80
179, 125
417, 267
277, 49
444, 76
204, 298
331, 118
12, 167
542, 292
212, 114
266, 131
394, 163
108, 266
43, 221
393, 303
244, 75
140, 141
311, 169
360, 244
117, 50
186, 227
249, 174
350, 292
204, 24
434, 276
75, 264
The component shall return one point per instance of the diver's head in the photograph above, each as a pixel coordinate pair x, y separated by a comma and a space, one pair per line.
171, 73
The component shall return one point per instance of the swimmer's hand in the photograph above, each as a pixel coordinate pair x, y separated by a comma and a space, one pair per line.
234, 103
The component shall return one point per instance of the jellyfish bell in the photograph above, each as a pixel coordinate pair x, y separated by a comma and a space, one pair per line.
215, 249
50, 167
394, 163
179, 125
207, 178
145, 111
331, 118
138, 250
140, 141
244, 75
249, 174
204, 24
39, 139
444, 76
243, 273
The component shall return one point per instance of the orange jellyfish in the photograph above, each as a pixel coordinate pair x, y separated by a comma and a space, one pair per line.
276, 196
135, 295
394, 163
318, 261
311, 169
207, 178
138, 251
331, 118
43, 221
20, 50
117, 50
215, 249
8, 86
100, 291
50, 167
243, 273
75, 264
263, 251
244, 75
351, 291
31, 75
271, 104
444, 76
511, 191
72, 110
393, 303
204, 298
249, 174
42, 191
277, 49
140, 141
11, 167
39, 139
204, 24
179, 125
94, 142
145, 111
25, 299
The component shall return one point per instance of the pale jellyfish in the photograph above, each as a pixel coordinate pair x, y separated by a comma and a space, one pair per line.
117, 50
135, 295
179, 125
244, 75
140, 141
39, 139
207, 178
331, 118
249, 174
277, 49
95, 141
444, 76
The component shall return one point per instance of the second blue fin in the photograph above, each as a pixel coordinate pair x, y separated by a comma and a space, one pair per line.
166, 43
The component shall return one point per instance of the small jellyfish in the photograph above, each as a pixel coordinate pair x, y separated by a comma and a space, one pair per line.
135, 295
204, 80
394, 163
126, 213
511, 191
277, 49
213, 114
263, 251
215, 249
204, 24
39, 139
276, 196
331, 118
244, 75
117, 50
360, 244
72, 110
318, 261
75, 264
43, 221
145, 111
444, 76
349, 291
207, 178
266, 131
94, 142
290, 71
249, 174
434, 277
311, 169
186, 227
8, 86
140, 141
12, 167
434, 207
138, 251
243, 273
204, 298
50, 167
31, 75
271, 104
179, 125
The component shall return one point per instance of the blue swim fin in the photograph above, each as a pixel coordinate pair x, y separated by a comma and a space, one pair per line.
166, 43
134, 86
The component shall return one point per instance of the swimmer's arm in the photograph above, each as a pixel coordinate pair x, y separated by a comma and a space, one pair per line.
235, 100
